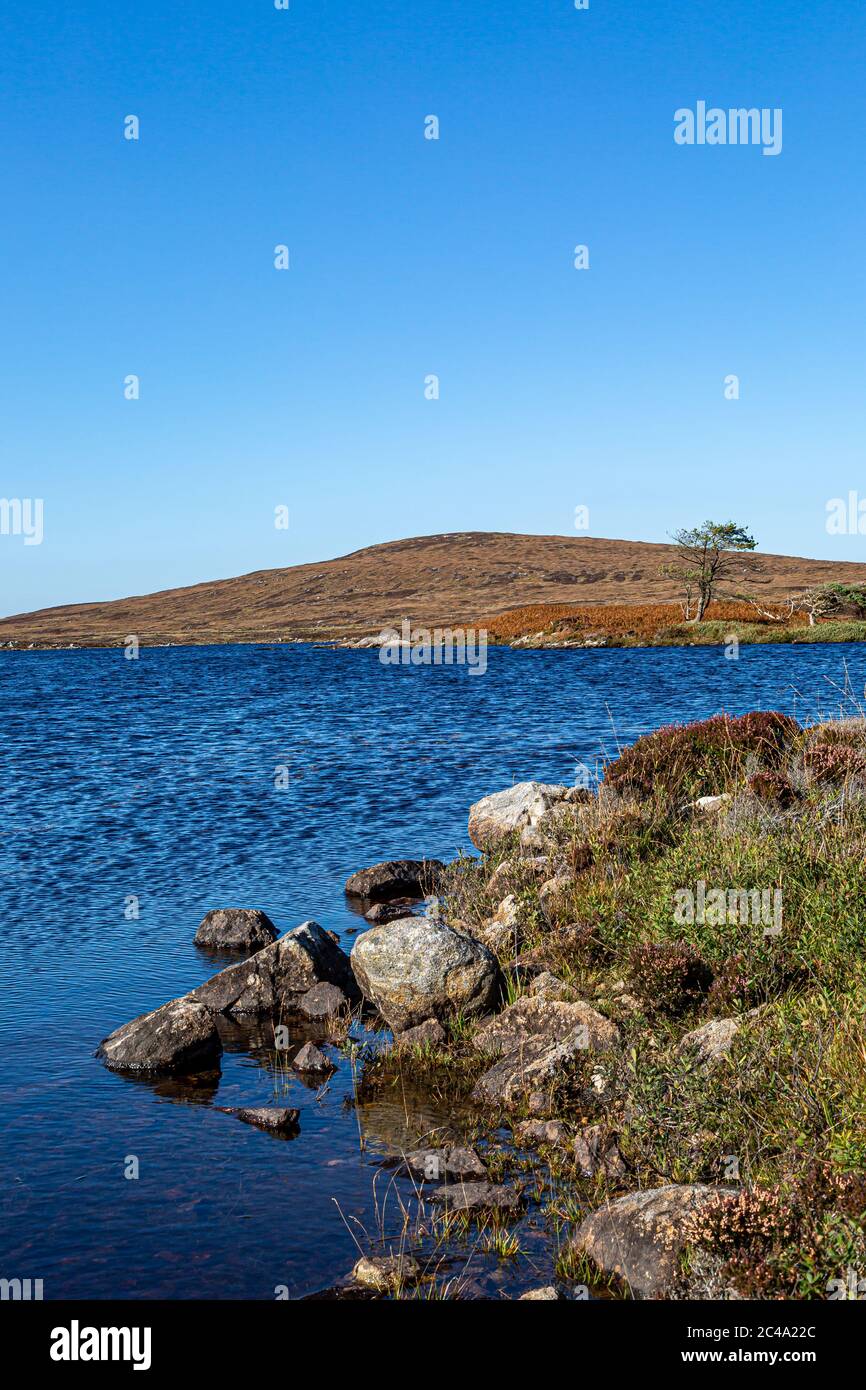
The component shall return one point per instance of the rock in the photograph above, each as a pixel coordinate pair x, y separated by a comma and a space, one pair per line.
416, 969
430, 1033
311, 1058
555, 891
323, 1001
538, 1133
548, 986
708, 805
395, 878
453, 1164
640, 1237
595, 1151
533, 1019
548, 1295
272, 979
539, 1103
478, 1196
497, 817
386, 1273
236, 929
539, 1039
275, 1119
387, 912
177, 1038
502, 932
711, 1042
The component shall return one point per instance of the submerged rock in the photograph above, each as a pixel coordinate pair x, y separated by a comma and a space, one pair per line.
179, 1037
236, 929
395, 878
454, 1164
417, 969
497, 817
478, 1196
640, 1237
273, 979
273, 1118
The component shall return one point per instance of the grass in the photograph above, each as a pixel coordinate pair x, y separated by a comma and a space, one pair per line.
782, 1117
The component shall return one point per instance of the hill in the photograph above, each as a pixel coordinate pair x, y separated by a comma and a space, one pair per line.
457, 578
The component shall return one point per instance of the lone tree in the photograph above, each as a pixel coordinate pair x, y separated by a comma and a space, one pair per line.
706, 561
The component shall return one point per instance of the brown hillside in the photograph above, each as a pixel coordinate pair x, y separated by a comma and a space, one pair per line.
455, 578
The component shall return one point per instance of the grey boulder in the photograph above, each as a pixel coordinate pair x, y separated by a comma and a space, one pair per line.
417, 969
178, 1038
236, 929
498, 817
395, 878
273, 979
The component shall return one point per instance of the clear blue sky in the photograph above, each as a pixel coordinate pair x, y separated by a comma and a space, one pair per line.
408, 257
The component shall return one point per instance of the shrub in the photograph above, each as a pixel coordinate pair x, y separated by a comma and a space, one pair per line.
696, 759
772, 789
786, 1241
669, 975
825, 762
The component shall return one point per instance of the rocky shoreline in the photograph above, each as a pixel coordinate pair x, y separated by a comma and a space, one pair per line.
597, 1059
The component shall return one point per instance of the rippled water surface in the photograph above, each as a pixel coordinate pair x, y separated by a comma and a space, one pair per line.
155, 779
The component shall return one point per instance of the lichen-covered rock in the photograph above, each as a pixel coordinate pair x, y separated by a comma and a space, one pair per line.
273, 979
596, 1151
417, 969
386, 1273
711, 1042
639, 1237
497, 817
236, 929
534, 1018
177, 1038
395, 878
538, 1040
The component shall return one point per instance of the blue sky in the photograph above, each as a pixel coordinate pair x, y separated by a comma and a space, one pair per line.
305, 388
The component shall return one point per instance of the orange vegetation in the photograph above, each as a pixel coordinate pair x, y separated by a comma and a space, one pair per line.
618, 619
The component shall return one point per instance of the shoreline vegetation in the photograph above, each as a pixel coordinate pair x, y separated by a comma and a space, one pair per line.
643, 1005
537, 627
707, 902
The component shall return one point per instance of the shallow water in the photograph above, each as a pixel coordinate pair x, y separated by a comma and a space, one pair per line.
155, 780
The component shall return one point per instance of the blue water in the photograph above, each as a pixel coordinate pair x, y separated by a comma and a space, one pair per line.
155, 779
